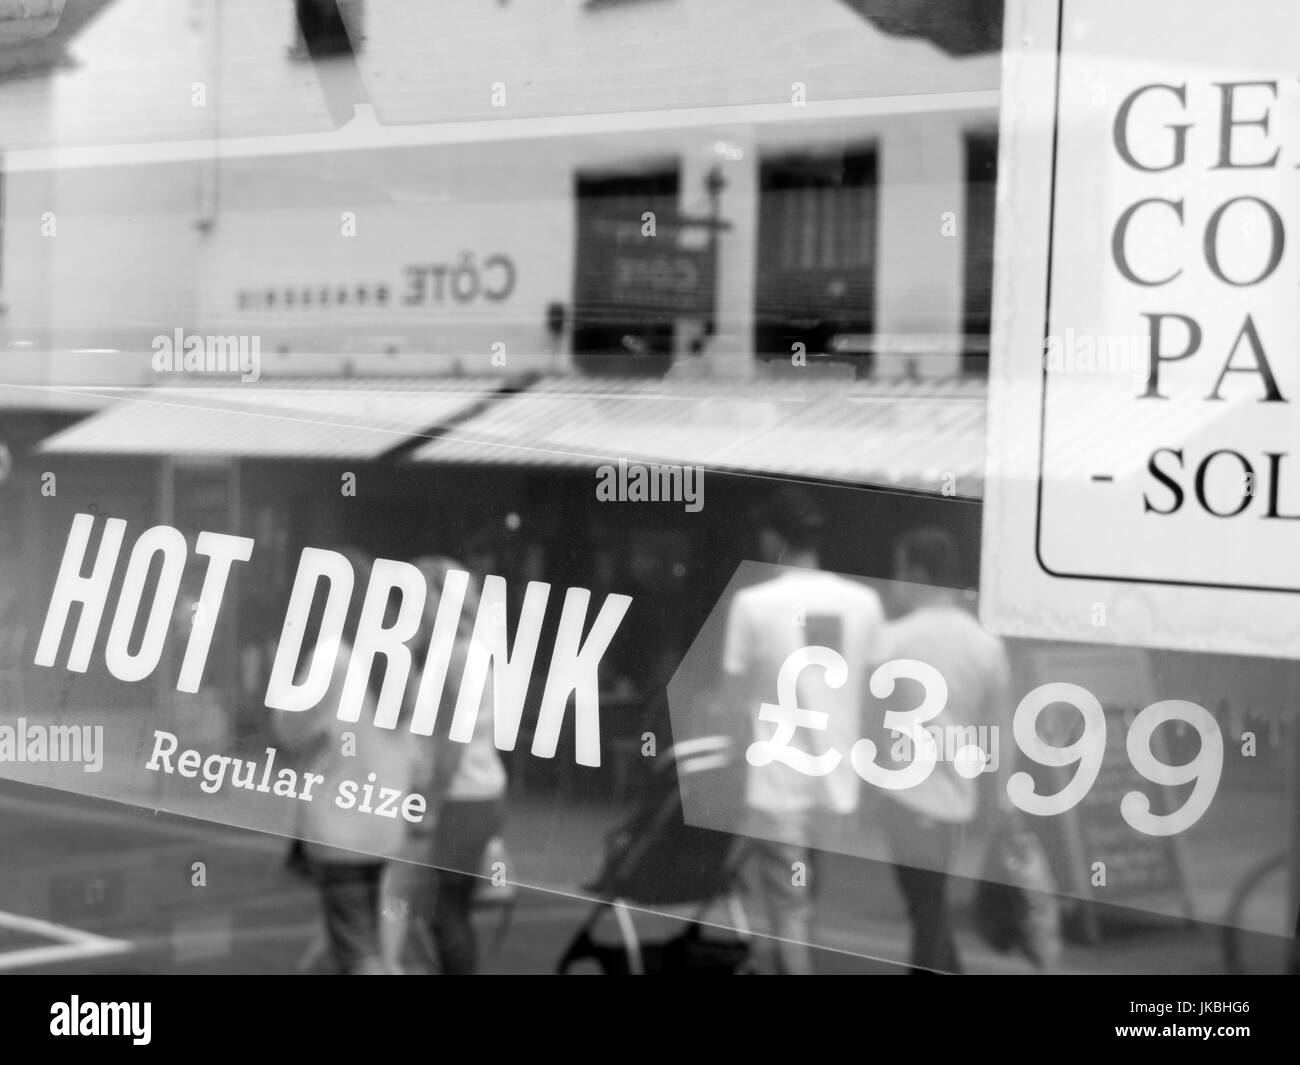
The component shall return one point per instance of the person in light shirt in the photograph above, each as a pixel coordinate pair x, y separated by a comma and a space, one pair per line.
343, 851
925, 823
823, 620
466, 786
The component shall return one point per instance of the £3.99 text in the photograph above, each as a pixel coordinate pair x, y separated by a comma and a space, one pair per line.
1084, 753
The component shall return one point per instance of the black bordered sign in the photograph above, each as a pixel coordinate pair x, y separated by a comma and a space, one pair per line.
1114, 512
1111, 348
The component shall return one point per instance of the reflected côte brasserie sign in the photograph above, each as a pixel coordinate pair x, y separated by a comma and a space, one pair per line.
1143, 480
464, 279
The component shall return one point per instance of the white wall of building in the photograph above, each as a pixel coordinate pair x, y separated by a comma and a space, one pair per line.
469, 245
577, 57
144, 246
96, 260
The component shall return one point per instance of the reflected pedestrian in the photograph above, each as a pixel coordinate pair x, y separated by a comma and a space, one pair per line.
803, 607
340, 847
925, 823
465, 785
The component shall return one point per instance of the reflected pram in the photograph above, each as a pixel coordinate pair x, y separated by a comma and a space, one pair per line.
656, 860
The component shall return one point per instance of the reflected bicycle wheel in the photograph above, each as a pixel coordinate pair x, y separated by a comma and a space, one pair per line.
1258, 931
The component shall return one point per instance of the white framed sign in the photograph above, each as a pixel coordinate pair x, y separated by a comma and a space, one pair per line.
1143, 466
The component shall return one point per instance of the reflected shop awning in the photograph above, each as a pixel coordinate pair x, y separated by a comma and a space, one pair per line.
303, 418
912, 435
924, 436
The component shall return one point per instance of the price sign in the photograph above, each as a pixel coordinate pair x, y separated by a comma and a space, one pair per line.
1120, 775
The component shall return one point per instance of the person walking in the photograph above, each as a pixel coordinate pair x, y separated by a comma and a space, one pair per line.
925, 823
778, 633
342, 850
465, 784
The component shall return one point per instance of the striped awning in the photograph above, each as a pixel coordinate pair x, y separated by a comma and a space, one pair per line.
926, 436
316, 418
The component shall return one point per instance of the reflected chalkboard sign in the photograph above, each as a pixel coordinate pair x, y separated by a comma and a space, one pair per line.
1134, 865
626, 268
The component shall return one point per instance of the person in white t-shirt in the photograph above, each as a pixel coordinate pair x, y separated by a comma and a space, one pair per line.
801, 642
925, 822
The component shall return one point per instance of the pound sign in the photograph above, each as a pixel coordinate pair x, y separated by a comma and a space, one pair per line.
787, 715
